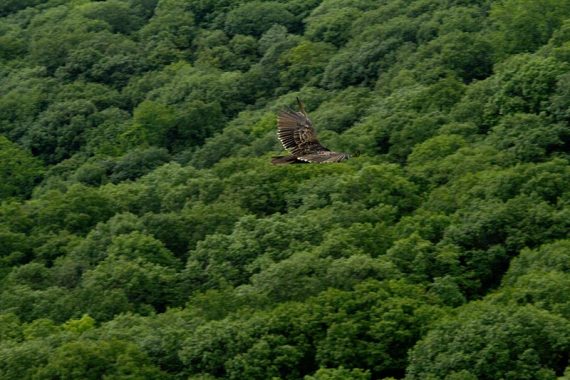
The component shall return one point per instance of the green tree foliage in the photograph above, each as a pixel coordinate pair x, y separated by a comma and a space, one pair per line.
93, 360
254, 18
339, 374
116, 13
526, 25
322, 320
476, 342
20, 171
168, 34
145, 234
305, 63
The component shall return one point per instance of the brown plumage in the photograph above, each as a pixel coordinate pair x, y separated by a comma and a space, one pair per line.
296, 133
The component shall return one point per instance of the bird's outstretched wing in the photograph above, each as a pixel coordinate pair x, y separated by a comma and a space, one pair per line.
324, 157
296, 133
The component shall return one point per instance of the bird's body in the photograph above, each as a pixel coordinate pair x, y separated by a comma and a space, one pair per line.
296, 133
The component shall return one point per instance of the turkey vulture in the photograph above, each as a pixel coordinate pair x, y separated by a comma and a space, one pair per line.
296, 133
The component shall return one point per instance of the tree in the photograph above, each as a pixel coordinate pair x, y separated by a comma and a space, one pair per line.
254, 18
60, 130
527, 136
137, 163
485, 341
19, 170
384, 321
305, 63
136, 286
137, 245
339, 374
88, 359
11, 6
525, 25
145, 234
118, 14
522, 88
78, 210
426, 159
332, 26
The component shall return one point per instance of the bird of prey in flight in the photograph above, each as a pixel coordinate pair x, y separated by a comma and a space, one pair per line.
296, 133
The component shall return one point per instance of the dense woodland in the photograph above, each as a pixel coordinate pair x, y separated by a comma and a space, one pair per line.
144, 233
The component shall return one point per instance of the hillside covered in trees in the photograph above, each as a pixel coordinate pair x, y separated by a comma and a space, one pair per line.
144, 233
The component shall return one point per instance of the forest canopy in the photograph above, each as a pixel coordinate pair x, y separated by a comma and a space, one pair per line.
144, 233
